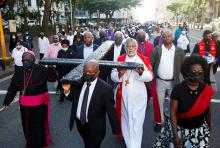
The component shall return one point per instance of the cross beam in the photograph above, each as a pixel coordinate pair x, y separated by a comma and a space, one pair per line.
76, 74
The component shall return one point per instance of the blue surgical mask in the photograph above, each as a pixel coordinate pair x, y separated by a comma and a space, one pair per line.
28, 65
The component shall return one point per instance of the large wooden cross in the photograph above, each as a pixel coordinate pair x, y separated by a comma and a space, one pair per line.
76, 74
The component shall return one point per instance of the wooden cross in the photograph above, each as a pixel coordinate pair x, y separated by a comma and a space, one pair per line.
76, 74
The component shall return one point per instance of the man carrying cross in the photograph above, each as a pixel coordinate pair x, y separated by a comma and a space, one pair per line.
131, 94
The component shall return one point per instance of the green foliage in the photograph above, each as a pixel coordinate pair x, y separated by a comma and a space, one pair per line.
108, 7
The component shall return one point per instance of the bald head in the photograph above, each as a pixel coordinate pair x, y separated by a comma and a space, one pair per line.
141, 35
118, 37
55, 38
91, 70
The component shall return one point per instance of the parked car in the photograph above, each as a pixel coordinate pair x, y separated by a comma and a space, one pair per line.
31, 22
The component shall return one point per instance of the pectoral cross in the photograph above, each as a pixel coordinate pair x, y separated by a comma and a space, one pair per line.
126, 82
76, 74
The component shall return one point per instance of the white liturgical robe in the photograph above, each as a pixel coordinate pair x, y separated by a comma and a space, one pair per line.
134, 102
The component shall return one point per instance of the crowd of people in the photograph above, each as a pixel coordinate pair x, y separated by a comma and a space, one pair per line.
183, 120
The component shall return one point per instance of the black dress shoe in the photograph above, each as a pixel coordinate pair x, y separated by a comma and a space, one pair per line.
157, 128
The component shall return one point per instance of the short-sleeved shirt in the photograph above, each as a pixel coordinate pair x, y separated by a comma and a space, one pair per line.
186, 98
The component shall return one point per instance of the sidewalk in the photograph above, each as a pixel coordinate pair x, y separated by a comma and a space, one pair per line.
8, 71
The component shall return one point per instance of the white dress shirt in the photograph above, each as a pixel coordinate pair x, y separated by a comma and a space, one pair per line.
183, 42
43, 44
117, 51
166, 65
17, 55
91, 89
70, 38
87, 51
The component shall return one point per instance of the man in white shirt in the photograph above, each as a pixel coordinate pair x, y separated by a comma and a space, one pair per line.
70, 37
43, 44
166, 61
17, 53
91, 101
85, 50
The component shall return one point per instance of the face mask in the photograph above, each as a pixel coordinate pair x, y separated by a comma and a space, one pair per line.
18, 46
206, 40
65, 49
27, 37
118, 41
13, 37
195, 77
89, 77
183, 32
28, 65
141, 38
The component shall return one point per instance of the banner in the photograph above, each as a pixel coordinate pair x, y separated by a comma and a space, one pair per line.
12, 26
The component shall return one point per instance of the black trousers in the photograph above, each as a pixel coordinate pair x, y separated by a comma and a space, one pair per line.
33, 122
89, 138
41, 56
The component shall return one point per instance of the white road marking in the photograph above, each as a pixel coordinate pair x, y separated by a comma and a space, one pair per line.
3, 92
6, 78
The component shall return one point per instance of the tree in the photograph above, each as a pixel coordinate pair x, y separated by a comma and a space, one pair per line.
46, 17
175, 8
108, 7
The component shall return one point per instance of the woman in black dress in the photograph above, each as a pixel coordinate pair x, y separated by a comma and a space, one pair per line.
190, 123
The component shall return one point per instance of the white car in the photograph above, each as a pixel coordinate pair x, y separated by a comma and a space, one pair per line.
31, 22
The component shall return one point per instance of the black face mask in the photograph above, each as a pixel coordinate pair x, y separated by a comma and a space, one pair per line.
89, 77
206, 40
195, 77
118, 41
141, 38
28, 65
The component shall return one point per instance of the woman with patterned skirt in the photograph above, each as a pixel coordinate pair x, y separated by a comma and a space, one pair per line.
190, 122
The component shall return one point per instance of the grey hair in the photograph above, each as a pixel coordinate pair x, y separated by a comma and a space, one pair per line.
88, 33
129, 40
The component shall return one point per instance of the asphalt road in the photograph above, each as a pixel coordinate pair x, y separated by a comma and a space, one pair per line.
11, 134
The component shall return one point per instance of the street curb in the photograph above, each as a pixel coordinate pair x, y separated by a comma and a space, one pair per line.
6, 72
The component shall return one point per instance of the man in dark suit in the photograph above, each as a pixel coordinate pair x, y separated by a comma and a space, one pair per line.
101, 38
85, 50
91, 100
117, 50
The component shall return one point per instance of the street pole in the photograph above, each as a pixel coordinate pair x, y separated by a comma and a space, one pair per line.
2, 38
71, 14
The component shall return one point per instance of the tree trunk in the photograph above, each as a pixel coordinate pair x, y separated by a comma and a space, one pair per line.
74, 12
46, 17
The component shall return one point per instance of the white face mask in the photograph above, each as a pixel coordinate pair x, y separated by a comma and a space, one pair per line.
183, 32
13, 37
65, 49
18, 47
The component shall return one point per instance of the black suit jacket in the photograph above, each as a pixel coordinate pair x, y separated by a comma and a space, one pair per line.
106, 71
102, 101
110, 55
80, 50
